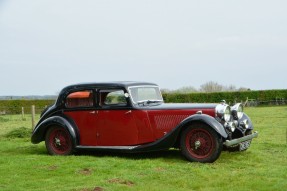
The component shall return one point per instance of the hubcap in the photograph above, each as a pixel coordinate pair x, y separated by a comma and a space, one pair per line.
60, 142
57, 141
197, 144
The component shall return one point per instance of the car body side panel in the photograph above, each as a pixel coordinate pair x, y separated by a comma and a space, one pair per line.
117, 127
145, 131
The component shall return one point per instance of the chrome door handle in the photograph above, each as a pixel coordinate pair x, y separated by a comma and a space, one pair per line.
93, 112
129, 111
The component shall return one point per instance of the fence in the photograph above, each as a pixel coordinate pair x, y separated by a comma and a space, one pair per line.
20, 110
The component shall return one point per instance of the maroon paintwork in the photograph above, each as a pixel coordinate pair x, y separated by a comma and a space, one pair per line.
128, 127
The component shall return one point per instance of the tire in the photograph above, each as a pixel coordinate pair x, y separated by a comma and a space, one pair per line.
200, 143
58, 141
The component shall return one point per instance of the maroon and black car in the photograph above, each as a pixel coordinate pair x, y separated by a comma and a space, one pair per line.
132, 117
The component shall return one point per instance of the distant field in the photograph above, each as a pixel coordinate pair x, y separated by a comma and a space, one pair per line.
24, 166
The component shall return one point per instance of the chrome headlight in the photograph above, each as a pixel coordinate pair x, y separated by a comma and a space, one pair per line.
237, 111
223, 111
231, 126
244, 124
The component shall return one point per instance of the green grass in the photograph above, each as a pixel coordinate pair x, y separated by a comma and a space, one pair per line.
24, 166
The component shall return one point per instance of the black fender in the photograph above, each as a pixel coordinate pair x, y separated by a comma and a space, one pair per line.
39, 132
169, 140
210, 121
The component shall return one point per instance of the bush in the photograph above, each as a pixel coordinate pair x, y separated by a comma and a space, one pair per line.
21, 132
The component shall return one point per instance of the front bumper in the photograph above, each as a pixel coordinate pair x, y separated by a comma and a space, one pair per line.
230, 143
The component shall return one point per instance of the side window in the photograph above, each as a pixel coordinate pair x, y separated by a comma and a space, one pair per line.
80, 99
112, 97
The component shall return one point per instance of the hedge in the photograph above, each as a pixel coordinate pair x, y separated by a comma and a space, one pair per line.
261, 96
15, 106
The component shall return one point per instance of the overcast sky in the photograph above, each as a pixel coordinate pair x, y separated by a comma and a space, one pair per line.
46, 45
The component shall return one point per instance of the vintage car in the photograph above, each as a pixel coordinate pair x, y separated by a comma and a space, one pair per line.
132, 117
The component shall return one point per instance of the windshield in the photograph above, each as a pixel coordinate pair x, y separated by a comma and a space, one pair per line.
141, 94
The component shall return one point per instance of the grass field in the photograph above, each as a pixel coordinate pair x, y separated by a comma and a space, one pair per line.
24, 166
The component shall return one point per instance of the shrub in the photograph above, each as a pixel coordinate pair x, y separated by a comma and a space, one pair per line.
21, 132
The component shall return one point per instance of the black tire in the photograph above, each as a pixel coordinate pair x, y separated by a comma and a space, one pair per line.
200, 143
58, 141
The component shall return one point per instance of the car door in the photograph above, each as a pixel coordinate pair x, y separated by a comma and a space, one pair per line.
80, 108
117, 126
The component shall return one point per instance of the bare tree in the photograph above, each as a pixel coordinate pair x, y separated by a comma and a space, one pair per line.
186, 90
211, 87
230, 88
242, 89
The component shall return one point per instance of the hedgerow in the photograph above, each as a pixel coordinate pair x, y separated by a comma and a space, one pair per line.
215, 97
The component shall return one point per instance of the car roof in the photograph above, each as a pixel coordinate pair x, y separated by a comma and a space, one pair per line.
120, 84
114, 84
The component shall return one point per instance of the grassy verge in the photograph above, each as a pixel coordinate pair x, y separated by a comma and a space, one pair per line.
24, 166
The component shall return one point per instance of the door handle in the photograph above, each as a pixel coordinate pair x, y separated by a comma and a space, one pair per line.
93, 112
129, 111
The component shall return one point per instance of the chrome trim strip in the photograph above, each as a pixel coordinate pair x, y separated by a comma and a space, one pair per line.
107, 147
229, 143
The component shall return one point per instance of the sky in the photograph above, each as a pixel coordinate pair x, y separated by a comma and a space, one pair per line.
49, 44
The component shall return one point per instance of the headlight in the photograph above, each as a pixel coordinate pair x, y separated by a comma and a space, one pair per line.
244, 124
231, 126
223, 111
237, 111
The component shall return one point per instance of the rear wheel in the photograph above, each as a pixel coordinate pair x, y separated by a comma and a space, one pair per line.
58, 141
200, 143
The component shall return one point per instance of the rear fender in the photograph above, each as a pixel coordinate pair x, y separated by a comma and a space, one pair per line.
40, 130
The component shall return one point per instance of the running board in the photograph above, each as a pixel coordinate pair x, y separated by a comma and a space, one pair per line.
108, 147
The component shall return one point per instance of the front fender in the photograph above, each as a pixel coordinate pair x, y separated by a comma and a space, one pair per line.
39, 132
210, 121
169, 140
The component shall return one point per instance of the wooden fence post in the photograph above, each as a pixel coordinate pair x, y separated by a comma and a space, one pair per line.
23, 114
33, 116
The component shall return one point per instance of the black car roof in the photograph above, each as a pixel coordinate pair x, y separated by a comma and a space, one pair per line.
115, 84
124, 84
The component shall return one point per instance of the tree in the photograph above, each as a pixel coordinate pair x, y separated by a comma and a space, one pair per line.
230, 88
186, 90
211, 87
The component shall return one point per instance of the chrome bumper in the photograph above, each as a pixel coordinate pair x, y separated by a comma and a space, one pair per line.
230, 143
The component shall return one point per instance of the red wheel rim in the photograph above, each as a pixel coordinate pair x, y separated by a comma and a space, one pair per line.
60, 141
199, 143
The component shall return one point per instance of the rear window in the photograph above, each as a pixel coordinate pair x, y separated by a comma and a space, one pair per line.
80, 99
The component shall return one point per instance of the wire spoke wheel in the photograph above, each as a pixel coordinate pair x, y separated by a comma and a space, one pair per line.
58, 141
200, 143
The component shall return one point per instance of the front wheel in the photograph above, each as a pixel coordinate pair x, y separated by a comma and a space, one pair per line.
58, 141
200, 143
